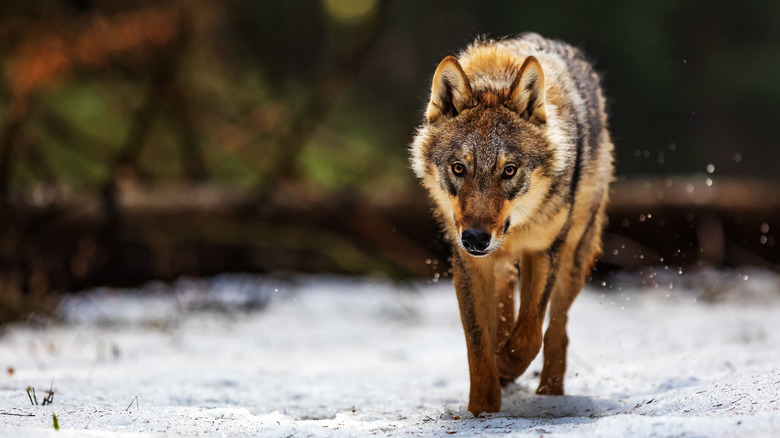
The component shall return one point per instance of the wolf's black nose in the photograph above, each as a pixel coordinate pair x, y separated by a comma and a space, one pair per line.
475, 240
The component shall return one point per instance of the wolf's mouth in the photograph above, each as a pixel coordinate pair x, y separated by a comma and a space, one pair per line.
482, 253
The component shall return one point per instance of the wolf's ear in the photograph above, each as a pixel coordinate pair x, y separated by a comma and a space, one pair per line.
526, 96
450, 92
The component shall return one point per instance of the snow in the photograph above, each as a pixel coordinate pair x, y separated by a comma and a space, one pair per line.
323, 356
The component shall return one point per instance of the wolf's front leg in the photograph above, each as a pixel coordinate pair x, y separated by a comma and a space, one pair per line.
474, 284
537, 277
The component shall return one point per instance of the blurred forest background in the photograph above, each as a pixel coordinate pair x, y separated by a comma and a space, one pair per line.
148, 140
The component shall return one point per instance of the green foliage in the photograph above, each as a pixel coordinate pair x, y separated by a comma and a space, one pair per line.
49, 399
696, 75
351, 152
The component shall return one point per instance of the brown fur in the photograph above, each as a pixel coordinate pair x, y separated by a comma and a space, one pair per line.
516, 154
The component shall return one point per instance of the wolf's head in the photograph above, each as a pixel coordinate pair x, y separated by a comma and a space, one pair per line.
484, 151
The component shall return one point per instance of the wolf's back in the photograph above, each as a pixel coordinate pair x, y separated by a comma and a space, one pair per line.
588, 108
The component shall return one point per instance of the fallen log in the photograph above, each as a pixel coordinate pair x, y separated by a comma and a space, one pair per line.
56, 239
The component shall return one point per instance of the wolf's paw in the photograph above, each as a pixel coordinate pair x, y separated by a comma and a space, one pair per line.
513, 358
507, 362
550, 386
487, 403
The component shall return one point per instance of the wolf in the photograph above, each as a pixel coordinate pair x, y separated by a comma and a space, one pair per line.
515, 152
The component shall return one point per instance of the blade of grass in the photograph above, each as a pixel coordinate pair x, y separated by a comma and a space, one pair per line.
33, 398
131, 403
50, 397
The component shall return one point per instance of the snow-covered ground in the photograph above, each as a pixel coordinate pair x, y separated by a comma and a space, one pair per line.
248, 356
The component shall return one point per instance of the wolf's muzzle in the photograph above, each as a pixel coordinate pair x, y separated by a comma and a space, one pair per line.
475, 241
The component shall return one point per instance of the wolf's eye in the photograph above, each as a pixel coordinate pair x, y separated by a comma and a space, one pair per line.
509, 171
458, 169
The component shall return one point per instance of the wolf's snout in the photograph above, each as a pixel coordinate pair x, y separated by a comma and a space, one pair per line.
474, 240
